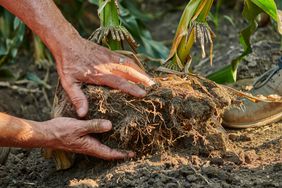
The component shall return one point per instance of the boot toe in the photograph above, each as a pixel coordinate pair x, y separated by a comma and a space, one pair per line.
252, 115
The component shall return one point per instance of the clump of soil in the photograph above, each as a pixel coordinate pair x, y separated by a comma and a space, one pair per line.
182, 112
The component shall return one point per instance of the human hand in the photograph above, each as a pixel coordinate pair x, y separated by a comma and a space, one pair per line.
73, 135
86, 62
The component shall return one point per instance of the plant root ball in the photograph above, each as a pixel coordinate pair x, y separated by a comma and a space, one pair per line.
183, 113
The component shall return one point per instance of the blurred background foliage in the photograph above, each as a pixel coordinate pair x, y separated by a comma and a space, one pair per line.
83, 15
12, 33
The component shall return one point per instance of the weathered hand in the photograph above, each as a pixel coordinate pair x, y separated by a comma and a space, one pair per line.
86, 62
73, 135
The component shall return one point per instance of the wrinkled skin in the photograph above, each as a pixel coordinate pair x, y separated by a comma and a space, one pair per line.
77, 61
73, 135
101, 67
59, 133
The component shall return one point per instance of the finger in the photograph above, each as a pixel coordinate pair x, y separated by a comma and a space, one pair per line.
120, 84
131, 74
77, 97
95, 126
97, 149
120, 59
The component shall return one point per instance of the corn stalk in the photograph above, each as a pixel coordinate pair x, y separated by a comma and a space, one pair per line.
111, 33
109, 17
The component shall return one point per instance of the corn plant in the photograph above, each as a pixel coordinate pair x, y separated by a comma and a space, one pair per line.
111, 33
192, 27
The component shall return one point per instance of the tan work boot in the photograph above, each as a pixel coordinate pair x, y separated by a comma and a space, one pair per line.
4, 153
261, 113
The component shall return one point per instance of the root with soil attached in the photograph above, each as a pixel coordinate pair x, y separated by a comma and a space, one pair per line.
182, 113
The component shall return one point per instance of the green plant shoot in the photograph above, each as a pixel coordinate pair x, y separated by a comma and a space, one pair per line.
192, 27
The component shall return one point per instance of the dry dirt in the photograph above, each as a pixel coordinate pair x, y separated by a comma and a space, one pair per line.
262, 160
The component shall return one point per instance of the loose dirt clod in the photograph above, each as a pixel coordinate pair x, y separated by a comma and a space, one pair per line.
178, 112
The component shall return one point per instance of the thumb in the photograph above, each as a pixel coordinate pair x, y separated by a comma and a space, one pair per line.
77, 97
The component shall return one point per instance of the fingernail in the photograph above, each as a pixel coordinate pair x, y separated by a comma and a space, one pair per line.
151, 82
81, 112
130, 154
141, 92
107, 125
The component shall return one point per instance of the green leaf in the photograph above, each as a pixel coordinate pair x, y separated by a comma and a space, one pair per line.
226, 75
3, 51
229, 19
141, 34
131, 8
102, 6
250, 13
17, 23
268, 6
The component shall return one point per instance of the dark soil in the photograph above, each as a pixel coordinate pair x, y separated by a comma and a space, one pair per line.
258, 165
29, 104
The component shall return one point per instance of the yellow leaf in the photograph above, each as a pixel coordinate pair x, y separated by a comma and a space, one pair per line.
178, 61
175, 45
183, 26
279, 21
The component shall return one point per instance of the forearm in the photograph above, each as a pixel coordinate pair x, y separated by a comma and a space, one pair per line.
16, 132
46, 20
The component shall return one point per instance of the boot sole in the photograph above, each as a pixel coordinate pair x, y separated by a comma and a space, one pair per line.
4, 153
272, 119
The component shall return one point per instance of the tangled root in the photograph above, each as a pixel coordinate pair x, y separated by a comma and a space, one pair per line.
177, 113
